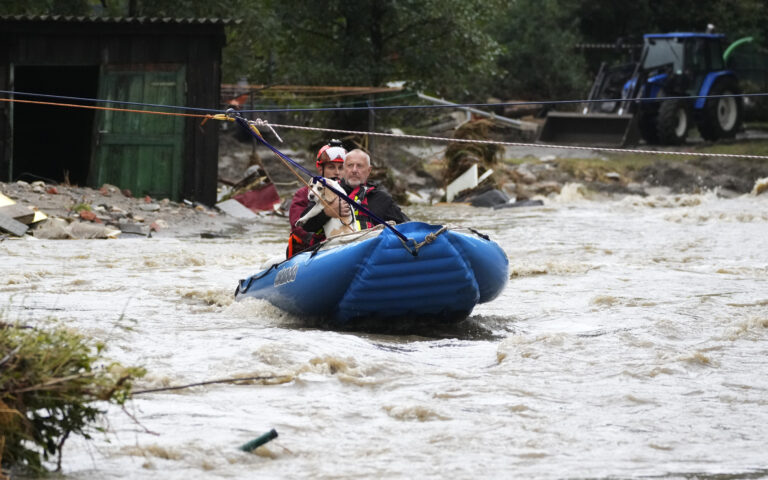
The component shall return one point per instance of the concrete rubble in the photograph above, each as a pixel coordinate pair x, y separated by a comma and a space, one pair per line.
49, 211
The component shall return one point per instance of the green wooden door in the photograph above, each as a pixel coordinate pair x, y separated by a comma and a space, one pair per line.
138, 151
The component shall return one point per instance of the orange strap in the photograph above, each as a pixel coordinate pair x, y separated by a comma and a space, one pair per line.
293, 240
114, 109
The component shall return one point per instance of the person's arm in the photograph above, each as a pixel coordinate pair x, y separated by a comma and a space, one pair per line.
315, 223
386, 208
335, 209
394, 213
298, 206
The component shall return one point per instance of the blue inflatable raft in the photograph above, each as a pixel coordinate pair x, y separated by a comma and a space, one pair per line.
439, 275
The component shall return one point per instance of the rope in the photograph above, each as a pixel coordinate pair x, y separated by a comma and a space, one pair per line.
342, 195
114, 109
608, 46
384, 107
351, 221
501, 104
285, 95
522, 144
331, 104
429, 238
209, 382
207, 117
252, 125
99, 100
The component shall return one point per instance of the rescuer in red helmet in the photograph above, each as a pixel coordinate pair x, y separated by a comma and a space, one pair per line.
330, 164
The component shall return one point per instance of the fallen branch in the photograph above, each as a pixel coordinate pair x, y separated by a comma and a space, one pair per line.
282, 379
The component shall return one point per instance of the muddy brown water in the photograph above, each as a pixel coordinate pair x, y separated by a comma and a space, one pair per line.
631, 341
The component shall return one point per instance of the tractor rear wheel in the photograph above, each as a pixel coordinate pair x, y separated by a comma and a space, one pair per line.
672, 122
721, 117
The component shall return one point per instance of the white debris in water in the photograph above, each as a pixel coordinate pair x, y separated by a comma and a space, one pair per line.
761, 186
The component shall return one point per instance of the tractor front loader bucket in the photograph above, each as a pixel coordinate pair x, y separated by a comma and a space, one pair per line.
591, 129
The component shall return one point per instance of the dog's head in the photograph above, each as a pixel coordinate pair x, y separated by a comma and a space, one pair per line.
316, 191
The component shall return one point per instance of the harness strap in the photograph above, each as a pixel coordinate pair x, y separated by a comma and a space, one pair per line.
360, 194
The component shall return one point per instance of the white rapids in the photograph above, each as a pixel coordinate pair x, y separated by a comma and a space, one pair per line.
631, 341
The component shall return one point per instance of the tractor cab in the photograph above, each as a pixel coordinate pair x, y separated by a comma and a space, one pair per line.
680, 61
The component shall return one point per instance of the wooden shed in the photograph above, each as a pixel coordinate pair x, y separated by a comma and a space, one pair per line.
129, 61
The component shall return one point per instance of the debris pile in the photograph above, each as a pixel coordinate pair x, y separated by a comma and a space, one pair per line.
70, 212
15, 219
255, 191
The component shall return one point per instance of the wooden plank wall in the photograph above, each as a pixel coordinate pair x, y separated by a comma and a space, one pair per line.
59, 43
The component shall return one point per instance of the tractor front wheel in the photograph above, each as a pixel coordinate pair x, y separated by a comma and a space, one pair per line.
672, 122
721, 117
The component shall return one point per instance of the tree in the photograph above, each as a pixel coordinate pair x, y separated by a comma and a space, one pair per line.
430, 44
539, 61
606, 20
45, 7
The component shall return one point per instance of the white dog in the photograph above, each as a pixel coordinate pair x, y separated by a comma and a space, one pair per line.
334, 226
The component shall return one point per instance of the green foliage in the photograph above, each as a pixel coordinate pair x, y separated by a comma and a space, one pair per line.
46, 7
440, 45
607, 20
538, 60
49, 381
80, 207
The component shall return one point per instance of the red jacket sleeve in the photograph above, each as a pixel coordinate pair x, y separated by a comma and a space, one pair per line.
298, 205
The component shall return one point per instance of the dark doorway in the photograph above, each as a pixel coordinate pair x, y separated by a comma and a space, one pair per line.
53, 143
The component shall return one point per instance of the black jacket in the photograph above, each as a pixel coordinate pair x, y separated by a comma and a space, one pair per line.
379, 202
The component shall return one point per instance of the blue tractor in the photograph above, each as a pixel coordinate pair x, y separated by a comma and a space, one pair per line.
691, 65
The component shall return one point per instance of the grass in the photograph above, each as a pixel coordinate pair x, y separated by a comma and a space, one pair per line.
596, 168
80, 207
626, 164
752, 147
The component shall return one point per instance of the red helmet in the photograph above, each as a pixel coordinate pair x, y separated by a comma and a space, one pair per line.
330, 153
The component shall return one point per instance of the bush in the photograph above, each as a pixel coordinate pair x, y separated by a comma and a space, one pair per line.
49, 382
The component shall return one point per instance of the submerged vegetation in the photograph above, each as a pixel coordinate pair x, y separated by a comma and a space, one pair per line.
50, 383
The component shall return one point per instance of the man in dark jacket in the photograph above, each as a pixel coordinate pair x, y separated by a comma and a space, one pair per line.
357, 168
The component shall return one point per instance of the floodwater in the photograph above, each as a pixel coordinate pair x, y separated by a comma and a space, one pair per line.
630, 342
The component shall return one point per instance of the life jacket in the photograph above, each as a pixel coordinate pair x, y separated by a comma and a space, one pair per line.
295, 245
360, 195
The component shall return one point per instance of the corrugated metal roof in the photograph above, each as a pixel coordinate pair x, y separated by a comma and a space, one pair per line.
124, 20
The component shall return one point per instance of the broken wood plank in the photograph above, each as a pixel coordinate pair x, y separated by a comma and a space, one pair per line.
20, 213
236, 209
5, 200
7, 224
134, 228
